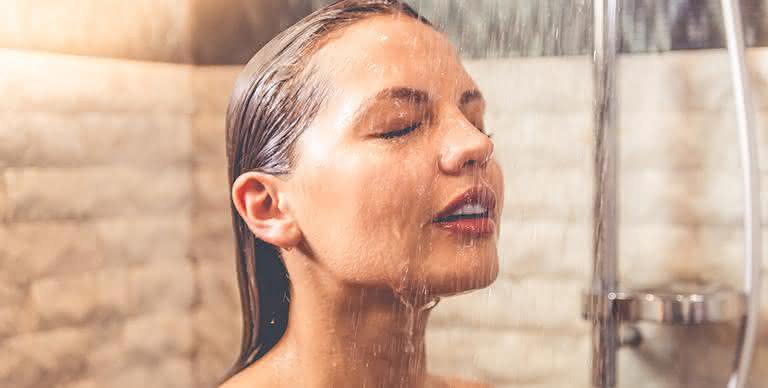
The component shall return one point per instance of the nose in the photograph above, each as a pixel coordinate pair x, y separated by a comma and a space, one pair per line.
464, 145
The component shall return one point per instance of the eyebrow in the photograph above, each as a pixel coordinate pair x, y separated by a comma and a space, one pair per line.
414, 95
418, 96
469, 95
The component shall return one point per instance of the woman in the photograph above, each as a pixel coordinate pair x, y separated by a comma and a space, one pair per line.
353, 138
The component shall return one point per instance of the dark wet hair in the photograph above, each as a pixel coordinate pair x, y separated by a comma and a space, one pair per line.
274, 100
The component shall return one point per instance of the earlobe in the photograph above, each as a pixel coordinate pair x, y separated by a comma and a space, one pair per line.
282, 233
257, 198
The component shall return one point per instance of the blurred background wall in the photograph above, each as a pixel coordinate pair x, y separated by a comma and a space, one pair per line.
116, 260
215, 32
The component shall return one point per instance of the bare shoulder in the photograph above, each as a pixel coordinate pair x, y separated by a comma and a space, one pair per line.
244, 379
232, 382
454, 382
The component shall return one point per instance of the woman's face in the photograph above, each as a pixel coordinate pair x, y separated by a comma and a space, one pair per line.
365, 203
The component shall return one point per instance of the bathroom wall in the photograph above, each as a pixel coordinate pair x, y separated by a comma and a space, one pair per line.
96, 281
179, 31
116, 263
208, 32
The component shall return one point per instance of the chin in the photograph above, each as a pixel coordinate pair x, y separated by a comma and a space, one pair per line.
464, 275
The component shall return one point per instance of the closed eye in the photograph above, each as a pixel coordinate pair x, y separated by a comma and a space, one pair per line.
400, 132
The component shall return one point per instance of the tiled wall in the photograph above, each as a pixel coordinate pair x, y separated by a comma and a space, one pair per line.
96, 283
116, 265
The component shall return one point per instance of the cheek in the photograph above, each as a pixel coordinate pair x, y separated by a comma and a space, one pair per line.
389, 223
365, 213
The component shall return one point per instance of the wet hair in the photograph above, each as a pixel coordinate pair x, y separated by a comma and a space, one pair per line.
275, 98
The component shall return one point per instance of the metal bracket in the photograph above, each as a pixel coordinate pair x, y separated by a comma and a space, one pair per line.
679, 303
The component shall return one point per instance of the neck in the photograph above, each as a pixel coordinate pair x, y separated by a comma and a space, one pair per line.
344, 335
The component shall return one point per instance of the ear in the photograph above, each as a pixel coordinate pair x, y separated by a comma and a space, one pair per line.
261, 204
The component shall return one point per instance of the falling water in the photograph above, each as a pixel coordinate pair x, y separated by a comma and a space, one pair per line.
413, 314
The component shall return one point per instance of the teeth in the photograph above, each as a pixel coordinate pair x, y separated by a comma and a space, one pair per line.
470, 208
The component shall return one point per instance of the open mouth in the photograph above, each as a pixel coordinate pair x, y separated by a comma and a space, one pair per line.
474, 221
470, 212
457, 217
467, 211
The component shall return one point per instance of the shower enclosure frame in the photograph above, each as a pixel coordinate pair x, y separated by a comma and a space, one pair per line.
604, 303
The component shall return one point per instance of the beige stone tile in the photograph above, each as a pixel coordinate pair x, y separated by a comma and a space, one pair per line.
40, 249
217, 322
217, 336
534, 140
213, 238
49, 139
209, 133
152, 238
8, 318
15, 370
216, 319
560, 195
655, 253
217, 333
689, 196
25, 366
530, 305
545, 248
683, 81
212, 87
757, 65
509, 357
677, 81
209, 369
172, 372
85, 383
682, 140
18, 319
217, 287
11, 295
14, 315
673, 140
41, 194
78, 298
211, 186
108, 356
161, 285
5, 205
544, 84
159, 335
81, 84
143, 29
